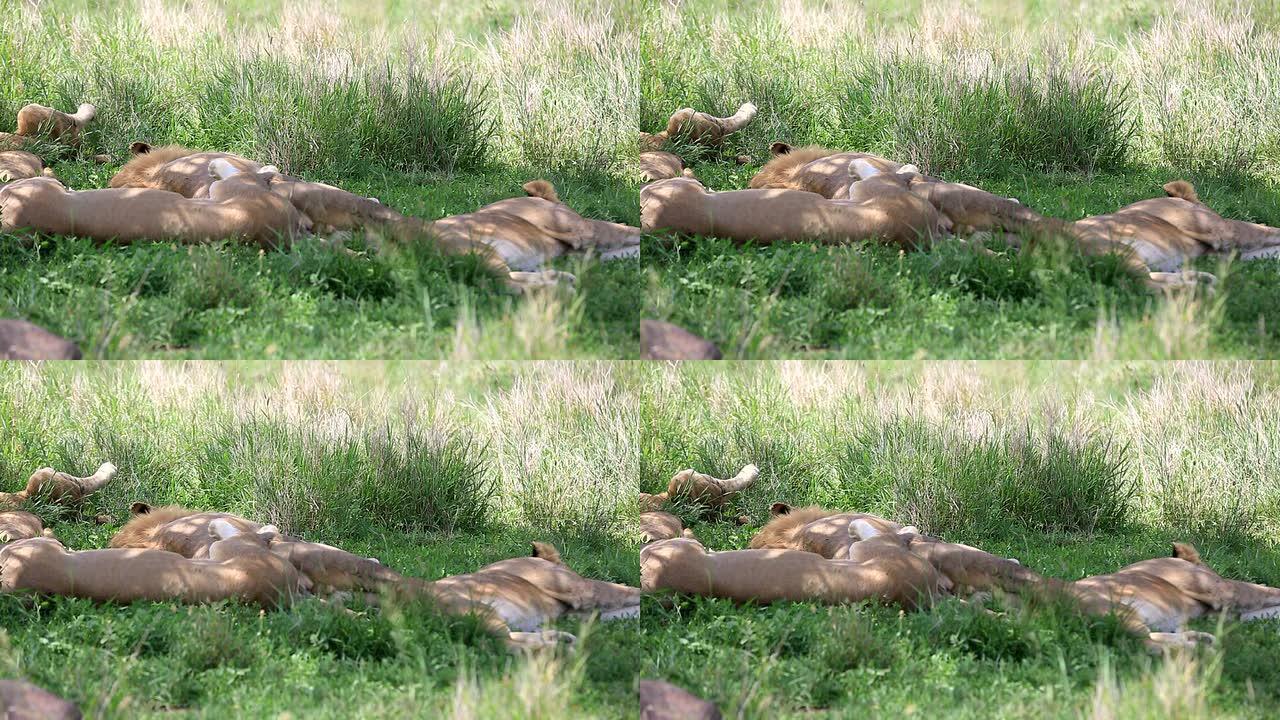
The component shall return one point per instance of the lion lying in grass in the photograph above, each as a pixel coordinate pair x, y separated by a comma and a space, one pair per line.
514, 598
880, 568
19, 165
882, 212
818, 530
239, 566
691, 126
49, 484
239, 206
59, 487
515, 238
36, 121
1154, 599
1155, 238
708, 492
18, 525
1162, 234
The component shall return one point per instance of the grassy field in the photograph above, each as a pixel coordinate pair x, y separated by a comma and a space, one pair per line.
1075, 109
1072, 468
435, 469
435, 108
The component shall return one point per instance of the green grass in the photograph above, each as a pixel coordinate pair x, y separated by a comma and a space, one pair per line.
434, 469
1016, 98
1072, 468
435, 114
314, 301
867, 301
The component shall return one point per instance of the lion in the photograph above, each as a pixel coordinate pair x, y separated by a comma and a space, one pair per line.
240, 206
40, 121
513, 598
660, 165
20, 165
177, 169
702, 128
1158, 236
60, 487
880, 569
36, 120
1155, 598
885, 212
18, 525
514, 238
819, 530
969, 571
831, 173
526, 232
817, 169
694, 127
699, 488
660, 525
240, 566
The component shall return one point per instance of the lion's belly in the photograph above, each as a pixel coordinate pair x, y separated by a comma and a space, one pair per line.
1160, 257
519, 255
1162, 617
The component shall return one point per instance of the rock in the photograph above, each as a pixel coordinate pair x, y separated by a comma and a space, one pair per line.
664, 701
20, 340
664, 341
24, 701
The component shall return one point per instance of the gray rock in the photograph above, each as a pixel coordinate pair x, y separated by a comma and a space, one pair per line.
664, 341
20, 340
664, 701
24, 701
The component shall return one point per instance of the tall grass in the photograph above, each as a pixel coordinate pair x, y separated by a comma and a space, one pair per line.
946, 482
323, 90
334, 450
984, 449
980, 89
398, 477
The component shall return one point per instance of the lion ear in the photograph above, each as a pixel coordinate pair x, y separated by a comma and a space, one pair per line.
780, 148
139, 147
139, 508
909, 169
546, 551
1185, 551
779, 508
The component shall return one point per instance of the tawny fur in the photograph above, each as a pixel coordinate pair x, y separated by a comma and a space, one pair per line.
240, 566
514, 238
17, 525
35, 120
892, 215
513, 598
19, 165
882, 570
541, 189
1181, 189
817, 530
60, 487
239, 207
